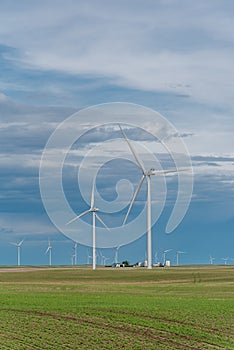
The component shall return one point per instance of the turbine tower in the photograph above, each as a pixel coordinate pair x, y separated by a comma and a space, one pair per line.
146, 174
49, 250
178, 252
72, 259
92, 210
75, 253
18, 245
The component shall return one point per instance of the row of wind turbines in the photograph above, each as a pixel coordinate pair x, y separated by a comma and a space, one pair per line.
18, 245
49, 252
74, 257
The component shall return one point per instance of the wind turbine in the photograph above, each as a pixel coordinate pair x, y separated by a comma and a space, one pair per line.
92, 210
146, 174
116, 254
156, 257
103, 259
49, 250
211, 260
88, 257
18, 245
177, 256
164, 255
225, 260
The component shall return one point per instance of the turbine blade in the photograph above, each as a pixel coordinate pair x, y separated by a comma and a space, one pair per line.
134, 197
14, 244
138, 160
92, 196
20, 243
101, 221
47, 250
77, 217
169, 171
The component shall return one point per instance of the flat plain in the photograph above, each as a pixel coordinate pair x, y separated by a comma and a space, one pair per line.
136, 309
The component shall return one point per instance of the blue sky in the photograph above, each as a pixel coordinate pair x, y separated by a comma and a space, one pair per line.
173, 56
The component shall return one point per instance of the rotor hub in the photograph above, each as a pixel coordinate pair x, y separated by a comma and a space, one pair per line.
149, 172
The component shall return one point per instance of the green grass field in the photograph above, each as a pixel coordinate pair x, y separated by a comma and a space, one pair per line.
75, 308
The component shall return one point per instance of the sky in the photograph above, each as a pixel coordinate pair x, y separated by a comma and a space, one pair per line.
171, 56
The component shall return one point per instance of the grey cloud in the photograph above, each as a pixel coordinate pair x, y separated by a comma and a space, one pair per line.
5, 230
26, 129
212, 158
208, 164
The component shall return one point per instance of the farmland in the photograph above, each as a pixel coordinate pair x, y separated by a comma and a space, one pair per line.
77, 308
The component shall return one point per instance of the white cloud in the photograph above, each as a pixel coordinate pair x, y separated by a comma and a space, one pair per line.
162, 46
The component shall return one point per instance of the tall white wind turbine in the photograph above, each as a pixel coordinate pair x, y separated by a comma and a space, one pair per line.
145, 174
92, 210
49, 250
18, 245
178, 252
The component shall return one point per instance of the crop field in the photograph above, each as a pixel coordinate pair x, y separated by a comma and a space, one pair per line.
139, 309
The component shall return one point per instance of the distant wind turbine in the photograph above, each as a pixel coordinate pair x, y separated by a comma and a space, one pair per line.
88, 257
156, 257
178, 252
18, 245
49, 250
103, 258
146, 174
164, 255
117, 254
225, 260
92, 210
211, 260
